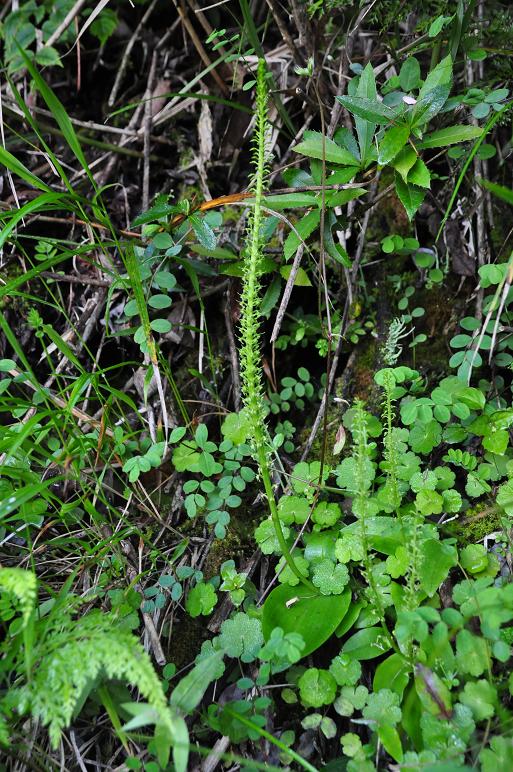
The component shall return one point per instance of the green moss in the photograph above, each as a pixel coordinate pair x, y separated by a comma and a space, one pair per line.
477, 523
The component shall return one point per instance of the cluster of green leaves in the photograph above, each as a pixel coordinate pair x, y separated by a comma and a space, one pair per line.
223, 479
35, 20
490, 338
377, 574
389, 132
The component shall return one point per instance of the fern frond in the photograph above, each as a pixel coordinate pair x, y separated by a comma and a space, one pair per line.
72, 660
23, 585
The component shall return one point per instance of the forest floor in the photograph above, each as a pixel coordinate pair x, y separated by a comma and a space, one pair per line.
161, 606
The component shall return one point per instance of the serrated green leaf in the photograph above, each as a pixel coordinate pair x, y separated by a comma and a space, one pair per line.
410, 196
419, 175
393, 141
450, 136
369, 109
314, 145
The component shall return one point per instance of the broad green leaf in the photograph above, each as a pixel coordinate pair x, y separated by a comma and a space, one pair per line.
201, 600
405, 161
298, 610
481, 697
391, 741
474, 558
440, 76
505, 497
437, 559
432, 692
393, 673
437, 25
48, 57
430, 105
450, 136
180, 735
236, 427
241, 637
369, 109
104, 25
314, 145
419, 175
317, 687
410, 196
159, 210
345, 138
341, 197
301, 279
393, 141
367, 644
202, 231
303, 228
409, 75
364, 128
472, 654
290, 201
188, 693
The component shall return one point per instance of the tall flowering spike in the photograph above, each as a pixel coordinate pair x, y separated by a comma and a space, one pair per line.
250, 305
250, 357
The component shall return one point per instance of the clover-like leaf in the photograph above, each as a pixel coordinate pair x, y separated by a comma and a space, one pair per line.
345, 670
317, 687
330, 577
201, 600
397, 565
481, 697
383, 707
349, 547
266, 538
241, 637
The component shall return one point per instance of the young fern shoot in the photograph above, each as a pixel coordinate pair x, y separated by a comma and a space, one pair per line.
250, 304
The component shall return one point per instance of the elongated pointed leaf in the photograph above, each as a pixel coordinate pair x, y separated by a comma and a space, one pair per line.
314, 145
410, 196
404, 161
61, 116
369, 109
419, 175
440, 76
188, 693
303, 228
41, 202
392, 143
450, 136
364, 128
430, 105
16, 167
498, 190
